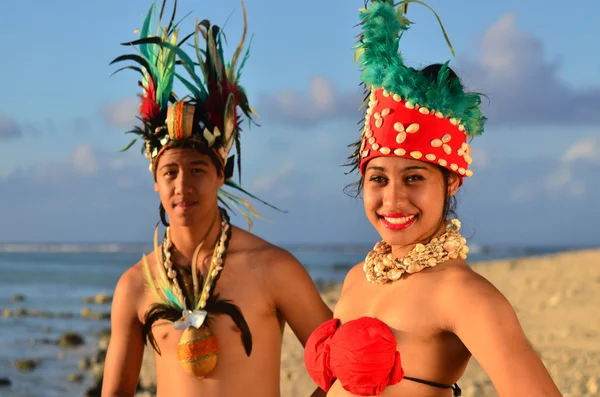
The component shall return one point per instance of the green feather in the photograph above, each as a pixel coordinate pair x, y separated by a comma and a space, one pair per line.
145, 29
241, 189
187, 63
198, 92
246, 56
383, 67
130, 144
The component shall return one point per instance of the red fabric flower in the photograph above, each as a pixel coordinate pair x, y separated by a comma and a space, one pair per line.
361, 354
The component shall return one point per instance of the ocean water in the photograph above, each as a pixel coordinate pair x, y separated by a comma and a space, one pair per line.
57, 278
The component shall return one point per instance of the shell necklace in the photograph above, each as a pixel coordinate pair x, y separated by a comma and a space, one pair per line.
381, 268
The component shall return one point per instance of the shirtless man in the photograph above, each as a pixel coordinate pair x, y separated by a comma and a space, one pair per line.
191, 166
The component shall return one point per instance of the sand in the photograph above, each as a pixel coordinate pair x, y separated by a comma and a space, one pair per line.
557, 299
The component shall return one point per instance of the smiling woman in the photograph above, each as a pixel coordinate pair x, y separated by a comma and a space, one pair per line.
410, 316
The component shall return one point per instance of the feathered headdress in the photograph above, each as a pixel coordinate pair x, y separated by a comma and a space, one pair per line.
410, 114
209, 114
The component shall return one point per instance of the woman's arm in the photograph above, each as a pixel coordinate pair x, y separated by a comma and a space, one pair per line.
487, 324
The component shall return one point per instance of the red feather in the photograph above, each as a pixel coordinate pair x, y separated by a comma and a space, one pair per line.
216, 101
149, 109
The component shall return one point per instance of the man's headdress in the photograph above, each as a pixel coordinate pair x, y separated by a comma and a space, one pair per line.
210, 115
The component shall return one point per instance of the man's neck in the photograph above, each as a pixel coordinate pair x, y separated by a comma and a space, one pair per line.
185, 239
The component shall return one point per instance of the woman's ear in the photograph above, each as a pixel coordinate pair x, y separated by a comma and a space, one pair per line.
453, 184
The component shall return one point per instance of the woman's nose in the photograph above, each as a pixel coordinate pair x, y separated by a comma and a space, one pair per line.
394, 194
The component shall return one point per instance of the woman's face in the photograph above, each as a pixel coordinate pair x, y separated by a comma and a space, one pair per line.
404, 199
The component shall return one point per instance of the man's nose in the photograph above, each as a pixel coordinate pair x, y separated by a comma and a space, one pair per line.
183, 182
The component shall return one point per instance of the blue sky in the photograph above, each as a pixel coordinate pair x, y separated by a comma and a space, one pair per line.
62, 118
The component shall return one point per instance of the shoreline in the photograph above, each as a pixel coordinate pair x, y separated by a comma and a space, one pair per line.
555, 295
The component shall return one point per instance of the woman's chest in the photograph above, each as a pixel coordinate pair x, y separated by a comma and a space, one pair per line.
406, 309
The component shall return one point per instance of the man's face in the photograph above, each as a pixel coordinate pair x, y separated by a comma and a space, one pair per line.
187, 182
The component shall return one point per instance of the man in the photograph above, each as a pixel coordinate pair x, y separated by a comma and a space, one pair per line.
212, 298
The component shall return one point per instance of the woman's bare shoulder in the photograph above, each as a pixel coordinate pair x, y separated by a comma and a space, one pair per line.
465, 294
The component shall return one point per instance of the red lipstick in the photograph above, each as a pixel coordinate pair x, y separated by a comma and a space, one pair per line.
397, 220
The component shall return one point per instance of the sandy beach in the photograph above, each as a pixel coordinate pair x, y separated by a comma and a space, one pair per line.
557, 299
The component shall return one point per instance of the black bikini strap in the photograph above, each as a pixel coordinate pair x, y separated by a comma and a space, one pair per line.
455, 389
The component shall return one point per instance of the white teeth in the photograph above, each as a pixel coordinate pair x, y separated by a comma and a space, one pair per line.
398, 221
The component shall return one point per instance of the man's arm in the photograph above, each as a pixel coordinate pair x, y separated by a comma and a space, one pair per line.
486, 323
297, 299
126, 347
296, 296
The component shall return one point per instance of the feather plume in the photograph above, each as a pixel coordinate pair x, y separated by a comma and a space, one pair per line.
221, 306
383, 67
213, 83
155, 312
149, 281
156, 64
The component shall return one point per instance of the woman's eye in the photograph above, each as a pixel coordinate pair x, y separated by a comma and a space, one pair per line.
377, 179
414, 178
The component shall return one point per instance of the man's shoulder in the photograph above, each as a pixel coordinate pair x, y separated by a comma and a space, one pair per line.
260, 252
132, 279
251, 244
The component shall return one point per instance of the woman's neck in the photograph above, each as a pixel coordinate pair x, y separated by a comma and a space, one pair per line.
400, 251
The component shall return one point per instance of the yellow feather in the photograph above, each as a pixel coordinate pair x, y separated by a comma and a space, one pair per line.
159, 266
150, 280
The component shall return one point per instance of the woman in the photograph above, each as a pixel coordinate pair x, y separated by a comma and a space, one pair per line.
412, 314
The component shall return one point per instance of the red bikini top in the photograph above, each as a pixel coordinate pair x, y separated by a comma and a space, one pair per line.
361, 354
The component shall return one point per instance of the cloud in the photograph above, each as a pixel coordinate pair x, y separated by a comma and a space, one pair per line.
122, 113
481, 157
82, 125
509, 67
524, 88
84, 160
272, 182
9, 129
97, 195
586, 149
34, 129
571, 176
525, 202
322, 103
84, 197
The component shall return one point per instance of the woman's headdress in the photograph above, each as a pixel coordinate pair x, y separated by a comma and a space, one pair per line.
410, 114
210, 115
